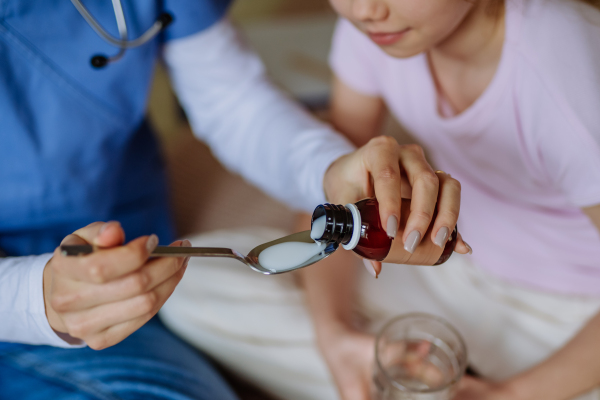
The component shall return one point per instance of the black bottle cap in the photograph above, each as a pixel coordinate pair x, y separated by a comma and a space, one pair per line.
339, 223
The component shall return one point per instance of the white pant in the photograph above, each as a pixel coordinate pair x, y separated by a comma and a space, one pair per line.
259, 326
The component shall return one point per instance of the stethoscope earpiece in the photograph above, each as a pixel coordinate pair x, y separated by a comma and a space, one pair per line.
165, 19
99, 61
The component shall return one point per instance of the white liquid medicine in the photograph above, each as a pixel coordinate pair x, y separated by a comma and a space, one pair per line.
318, 228
284, 256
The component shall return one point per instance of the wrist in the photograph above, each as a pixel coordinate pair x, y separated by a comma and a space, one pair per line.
52, 316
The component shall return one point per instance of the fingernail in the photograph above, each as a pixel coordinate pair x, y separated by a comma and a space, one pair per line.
103, 227
440, 238
152, 243
392, 226
468, 247
370, 268
412, 241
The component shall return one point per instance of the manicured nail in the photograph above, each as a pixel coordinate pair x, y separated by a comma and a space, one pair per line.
468, 247
412, 241
392, 226
440, 238
370, 268
151, 243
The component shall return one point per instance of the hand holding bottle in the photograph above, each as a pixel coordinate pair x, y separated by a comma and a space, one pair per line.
390, 172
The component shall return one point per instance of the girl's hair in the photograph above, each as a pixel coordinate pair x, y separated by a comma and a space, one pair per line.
494, 6
595, 3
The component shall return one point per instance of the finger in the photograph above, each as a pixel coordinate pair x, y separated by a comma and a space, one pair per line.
462, 247
425, 186
105, 264
117, 333
423, 348
417, 352
394, 353
448, 208
381, 160
148, 277
147, 303
406, 191
103, 234
110, 234
93, 324
431, 375
90, 322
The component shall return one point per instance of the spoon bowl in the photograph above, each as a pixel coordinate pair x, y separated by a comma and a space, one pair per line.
250, 260
301, 237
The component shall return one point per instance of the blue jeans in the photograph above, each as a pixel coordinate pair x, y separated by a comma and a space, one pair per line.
150, 364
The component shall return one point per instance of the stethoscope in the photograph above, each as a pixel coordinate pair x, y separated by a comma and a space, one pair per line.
100, 60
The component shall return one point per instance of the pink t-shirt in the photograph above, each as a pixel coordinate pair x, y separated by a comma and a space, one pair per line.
527, 152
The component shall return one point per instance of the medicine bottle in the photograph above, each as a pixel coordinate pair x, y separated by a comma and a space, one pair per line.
357, 227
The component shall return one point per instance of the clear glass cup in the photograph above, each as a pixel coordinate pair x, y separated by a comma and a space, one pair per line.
418, 357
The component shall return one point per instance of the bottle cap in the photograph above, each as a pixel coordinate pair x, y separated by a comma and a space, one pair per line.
357, 224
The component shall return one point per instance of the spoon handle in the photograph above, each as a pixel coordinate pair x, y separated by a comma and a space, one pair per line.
160, 251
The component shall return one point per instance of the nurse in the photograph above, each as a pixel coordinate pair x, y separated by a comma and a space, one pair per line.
75, 148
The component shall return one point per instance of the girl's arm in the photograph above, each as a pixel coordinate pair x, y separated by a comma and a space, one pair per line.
359, 117
330, 285
572, 370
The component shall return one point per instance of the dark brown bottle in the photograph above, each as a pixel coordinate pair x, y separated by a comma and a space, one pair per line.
358, 228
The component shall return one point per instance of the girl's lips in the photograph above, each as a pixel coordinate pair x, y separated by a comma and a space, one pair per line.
386, 39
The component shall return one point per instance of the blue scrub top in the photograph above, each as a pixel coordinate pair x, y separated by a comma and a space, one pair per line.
74, 145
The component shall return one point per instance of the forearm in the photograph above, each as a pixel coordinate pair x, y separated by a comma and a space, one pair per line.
359, 117
572, 370
253, 128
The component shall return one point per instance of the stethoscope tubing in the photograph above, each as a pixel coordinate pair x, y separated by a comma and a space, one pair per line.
121, 43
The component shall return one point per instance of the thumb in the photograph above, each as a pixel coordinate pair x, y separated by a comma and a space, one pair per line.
102, 234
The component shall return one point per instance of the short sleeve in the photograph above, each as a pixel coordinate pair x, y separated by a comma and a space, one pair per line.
571, 157
193, 16
561, 43
351, 59
564, 140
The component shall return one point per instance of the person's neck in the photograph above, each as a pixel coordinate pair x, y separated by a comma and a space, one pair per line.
478, 39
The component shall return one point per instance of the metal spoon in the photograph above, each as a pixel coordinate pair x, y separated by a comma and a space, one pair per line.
250, 260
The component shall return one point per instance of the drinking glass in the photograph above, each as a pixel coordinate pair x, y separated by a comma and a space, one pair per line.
418, 357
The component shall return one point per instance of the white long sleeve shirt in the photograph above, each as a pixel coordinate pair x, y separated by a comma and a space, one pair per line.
252, 128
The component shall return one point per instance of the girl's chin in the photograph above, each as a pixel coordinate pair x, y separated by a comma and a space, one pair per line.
403, 51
